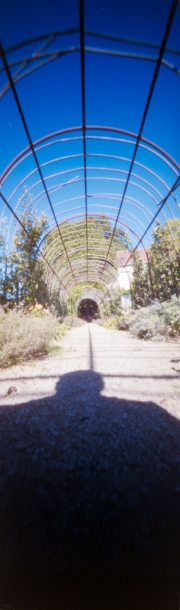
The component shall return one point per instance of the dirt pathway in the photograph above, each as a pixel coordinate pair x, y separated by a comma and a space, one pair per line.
90, 458
131, 368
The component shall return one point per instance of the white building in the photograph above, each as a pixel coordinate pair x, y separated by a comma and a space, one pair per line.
125, 271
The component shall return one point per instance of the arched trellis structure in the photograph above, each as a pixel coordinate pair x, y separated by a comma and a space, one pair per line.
89, 173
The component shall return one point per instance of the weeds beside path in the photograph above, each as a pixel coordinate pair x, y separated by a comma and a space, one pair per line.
131, 368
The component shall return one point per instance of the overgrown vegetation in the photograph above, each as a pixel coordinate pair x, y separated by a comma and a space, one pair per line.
160, 319
156, 321
112, 304
160, 277
23, 270
118, 322
25, 335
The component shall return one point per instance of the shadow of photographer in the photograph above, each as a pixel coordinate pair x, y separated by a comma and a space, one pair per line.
90, 484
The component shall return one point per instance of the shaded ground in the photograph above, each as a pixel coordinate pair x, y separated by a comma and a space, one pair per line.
91, 459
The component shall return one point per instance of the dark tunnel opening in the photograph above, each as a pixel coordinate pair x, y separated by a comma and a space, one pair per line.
88, 310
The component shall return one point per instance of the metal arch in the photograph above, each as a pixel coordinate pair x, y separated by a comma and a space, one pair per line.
81, 216
69, 218
113, 156
143, 140
175, 185
24, 62
82, 274
95, 195
153, 83
79, 261
83, 103
33, 199
124, 39
139, 177
138, 139
79, 169
29, 137
108, 217
54, 55
110, 169
110, 208
25, 230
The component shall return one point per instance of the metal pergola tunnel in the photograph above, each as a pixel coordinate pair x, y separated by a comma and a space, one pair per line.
90, 125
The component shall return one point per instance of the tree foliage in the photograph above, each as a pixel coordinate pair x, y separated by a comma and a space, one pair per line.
165, 261
24, 272
112, 304
160, 278
140, 288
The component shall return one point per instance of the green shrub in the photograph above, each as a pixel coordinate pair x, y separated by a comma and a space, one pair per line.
118, 322
24, 336
111, 323
157, 320
123, 322
112, 304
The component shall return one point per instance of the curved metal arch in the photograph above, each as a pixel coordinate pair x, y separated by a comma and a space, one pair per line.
144, 140
81, 216
111, 261
139, 177
109, 196
53, 35
83, 276
48, 39
80, 260
78, 169
73, 180
90, 167
128, 227
121, 224
138, 140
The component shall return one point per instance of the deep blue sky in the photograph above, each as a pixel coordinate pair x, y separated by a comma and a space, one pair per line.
116, 88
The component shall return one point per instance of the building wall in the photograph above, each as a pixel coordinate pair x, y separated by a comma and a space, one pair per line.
124, 278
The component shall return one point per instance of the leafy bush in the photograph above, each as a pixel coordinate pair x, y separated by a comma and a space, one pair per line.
112, 305
118, 322
24, 335
111, 323
123, 322
157, 320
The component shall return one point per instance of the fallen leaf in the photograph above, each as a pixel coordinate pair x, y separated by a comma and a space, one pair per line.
12, 389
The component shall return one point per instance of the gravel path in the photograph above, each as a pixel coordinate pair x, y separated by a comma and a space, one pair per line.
90, 458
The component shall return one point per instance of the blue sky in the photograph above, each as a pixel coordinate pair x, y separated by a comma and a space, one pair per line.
116, 91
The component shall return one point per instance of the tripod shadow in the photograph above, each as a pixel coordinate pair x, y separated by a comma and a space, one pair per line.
90, 484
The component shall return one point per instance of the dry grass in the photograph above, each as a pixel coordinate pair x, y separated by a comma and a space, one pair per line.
24, 335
